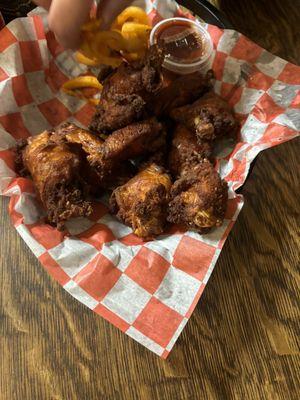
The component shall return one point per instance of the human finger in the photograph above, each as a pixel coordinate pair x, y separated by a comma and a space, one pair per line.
65, 19
108, 10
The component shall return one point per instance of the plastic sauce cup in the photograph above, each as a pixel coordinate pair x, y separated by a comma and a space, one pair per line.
188, 45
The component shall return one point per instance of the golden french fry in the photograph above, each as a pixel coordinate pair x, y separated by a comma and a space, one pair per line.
129, 36
102, 55
104, 46
86, 50
82, 82
91, 25
90, 100
111, 40
71, 92
133, 56
130, 14
134, 45
136, 35
95, 102
82, 59
79, 95
134, 28
109, 60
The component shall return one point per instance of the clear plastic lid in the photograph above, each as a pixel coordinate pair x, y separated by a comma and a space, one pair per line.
188, 45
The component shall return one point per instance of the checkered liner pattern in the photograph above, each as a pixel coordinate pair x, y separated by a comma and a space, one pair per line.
148, 290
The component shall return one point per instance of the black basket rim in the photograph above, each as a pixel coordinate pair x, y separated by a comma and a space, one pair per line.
207, 12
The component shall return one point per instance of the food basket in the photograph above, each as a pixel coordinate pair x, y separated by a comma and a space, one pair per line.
147, 289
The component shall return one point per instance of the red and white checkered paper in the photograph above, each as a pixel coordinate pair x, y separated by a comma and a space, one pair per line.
148, 290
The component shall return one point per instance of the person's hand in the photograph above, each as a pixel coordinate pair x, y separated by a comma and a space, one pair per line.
66, 17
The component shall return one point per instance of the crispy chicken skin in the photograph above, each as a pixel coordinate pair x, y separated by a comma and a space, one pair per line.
143, 78
117, 113
186, 151
56, 170
210, 117
126, 92
61, 165
91, 146
183, 90
72, 134
142, 202
133, 141
199, 199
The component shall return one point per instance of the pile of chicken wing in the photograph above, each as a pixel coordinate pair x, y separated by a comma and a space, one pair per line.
155, 158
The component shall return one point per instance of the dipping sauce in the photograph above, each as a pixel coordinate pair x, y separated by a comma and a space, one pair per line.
187, 44
182, 41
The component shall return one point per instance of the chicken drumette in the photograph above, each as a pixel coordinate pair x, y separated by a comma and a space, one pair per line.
57, 172
181, 91
210, 117
199, 199
92, 146
117, 113
126, 91
135, 140
78, 137
186, 152
142, 202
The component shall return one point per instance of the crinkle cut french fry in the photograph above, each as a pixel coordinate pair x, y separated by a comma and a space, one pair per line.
79, 95
82, 59
133, 56
91, 25
111, 39
128, 38
130, 14
93, 101
86, 50
112, 61
135, 45
73, 93
82, 82
129, 35
134, 28
105, 46
136, 35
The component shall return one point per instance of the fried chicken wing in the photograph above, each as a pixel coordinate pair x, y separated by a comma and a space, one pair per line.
91, 145
186, 151
210, 117
133, 141
57, 172
142, 202
126, 91
72, 134
199, 199
117, 113
183, 90
141, 78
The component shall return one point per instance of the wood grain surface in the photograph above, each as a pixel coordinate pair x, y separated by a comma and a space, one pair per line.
242, 341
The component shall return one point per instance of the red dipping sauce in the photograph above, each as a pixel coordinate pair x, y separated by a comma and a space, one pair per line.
188, 45
181, 40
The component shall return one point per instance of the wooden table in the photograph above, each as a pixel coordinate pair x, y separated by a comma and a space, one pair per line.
241, 342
